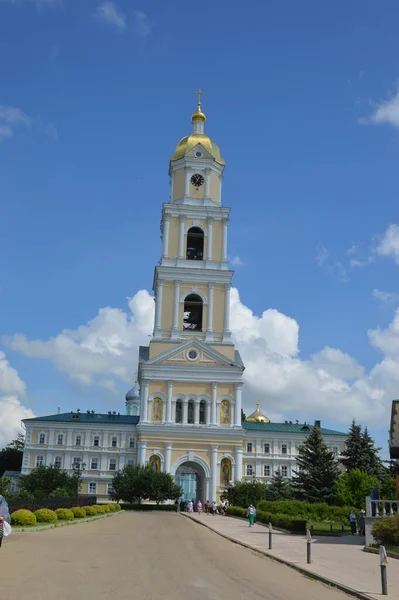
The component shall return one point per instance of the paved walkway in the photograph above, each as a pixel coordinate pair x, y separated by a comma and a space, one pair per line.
339, 559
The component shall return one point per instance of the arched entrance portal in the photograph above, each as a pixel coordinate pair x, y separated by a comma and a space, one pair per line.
190, 477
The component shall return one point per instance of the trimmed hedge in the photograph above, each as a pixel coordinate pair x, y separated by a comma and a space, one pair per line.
23, 518
278, 520
147, 507
45, 515
64, 514
112, 507
386, 531
91, 511
78, 512
100, 510
317, 511
117, 507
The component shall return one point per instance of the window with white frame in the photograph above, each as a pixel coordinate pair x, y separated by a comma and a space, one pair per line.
96, 440
42, 438
284, 449
112, 464
60, 439
266, 470
114, 441
78, 440
249, 470
110, 489
335, 450
39, 461
284, 471
92, 487
131, 443
76, 462
266, 448
94, 464
249, 446
130, 462
58, 462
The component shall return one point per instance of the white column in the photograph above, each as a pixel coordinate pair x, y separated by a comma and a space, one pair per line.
165, 236
169, 403
214, 471
214, 406
181, 236
168, 454
207, 183
142, 453
185, 411
172, 187
158, 305
210, 238
224, 241
196, 412
69, 438
238, 405
176, 302
67, 461
238, 458
144, 401
187, 175
227, 331
121, 462
51, 438
49, 458
209, 329
220, 188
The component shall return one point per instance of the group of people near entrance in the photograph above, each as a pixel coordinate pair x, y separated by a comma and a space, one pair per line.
210, 508
357, 525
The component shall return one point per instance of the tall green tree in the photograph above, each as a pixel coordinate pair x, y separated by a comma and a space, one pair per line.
360, 452
353, 486
372, 463
280, 488
135, 484
318, 470
42, 481
247, 492
11, 455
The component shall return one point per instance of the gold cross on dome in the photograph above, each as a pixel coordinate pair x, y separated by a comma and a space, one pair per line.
257, 403
199, 93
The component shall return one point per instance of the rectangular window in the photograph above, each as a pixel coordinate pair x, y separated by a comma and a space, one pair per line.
92, 487
266, 448
249, 470
112, 464
131, 443
60, 439
130, 462
114, 442
76, 462
110, 489
335, 450
249, 446
39, 461
284, 449
284, 471
94, 464
58, 462
266, 471
42, 438
78, 440
96, 440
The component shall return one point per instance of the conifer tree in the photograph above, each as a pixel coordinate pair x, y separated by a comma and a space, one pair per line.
351, 456
318, 470
280, 488
372, 463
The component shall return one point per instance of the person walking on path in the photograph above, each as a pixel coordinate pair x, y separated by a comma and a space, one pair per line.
190, 507
214, 508
223, 508
251, 514
352, 519
199, 507
4, 517
362, 523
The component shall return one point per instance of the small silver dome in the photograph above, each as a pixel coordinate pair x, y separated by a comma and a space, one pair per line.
134, 393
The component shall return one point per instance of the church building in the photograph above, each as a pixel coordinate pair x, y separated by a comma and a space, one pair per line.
184, 414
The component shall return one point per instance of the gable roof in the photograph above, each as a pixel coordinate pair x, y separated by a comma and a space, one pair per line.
298, 428
81, 417
204, 347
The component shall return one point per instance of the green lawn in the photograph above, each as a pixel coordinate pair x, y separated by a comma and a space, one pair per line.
325, 528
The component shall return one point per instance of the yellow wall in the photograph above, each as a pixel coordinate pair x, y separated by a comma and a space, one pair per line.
217, 240
218, 308
225, 350
191, 388
173, 237
157, 348
168, 294
178, 184
215, 187
194, 193
157, 387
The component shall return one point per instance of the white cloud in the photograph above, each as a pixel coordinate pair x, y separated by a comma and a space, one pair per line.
389, 243
109, 13
11, 410
386, 297
387, 112
142, 25
335, 268
11, 118
236, 261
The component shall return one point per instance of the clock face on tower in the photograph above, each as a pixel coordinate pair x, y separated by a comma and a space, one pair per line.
197, 180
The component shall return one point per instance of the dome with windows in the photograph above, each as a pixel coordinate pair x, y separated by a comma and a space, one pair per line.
133, 394
257, 416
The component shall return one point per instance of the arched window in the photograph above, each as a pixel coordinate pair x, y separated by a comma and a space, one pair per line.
195, 244
202, 414
190, 411
192, 320
179, 411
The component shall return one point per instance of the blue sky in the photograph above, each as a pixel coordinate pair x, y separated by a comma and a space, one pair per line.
303, 100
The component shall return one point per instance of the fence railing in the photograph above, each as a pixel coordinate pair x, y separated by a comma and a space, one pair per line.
381, 508
52, 503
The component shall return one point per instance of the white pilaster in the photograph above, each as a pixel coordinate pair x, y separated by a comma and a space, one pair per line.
158, 305
214, 404
69, 438
51, 438
238, 458
210, 238
207, 183
196, 412
238, 404
165, 236
168, 454
181, 236
215, 472
176, 300
209, 329
187, 176
224, 240
220, 187
142, 453
49, 458
227, 332
144, 401
185, 411
169, 403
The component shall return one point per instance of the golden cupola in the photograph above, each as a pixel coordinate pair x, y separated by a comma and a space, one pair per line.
257, 416
197, 137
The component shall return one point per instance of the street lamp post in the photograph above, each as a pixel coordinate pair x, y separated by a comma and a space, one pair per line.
254, 490
78, 471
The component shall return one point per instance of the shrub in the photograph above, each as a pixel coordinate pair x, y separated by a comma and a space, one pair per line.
117, 507
45, 515
78, 512
105, 507
386, 531
100, 509
147, 507
111, 507
64, 514
91, 511
317, 511
278, 520
24, 518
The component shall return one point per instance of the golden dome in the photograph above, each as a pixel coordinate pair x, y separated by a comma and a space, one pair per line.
257, 416
189, 141
199, 115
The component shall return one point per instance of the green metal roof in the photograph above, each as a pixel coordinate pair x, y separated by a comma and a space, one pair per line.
301, 428
83, 417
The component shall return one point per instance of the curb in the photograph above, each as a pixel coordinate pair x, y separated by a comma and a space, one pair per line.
62, 523
302, 570
376, 551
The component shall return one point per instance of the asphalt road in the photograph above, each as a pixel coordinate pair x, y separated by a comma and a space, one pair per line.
144, 556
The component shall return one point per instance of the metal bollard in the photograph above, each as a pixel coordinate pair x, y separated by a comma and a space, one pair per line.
383, 567
270, 536
308, 547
